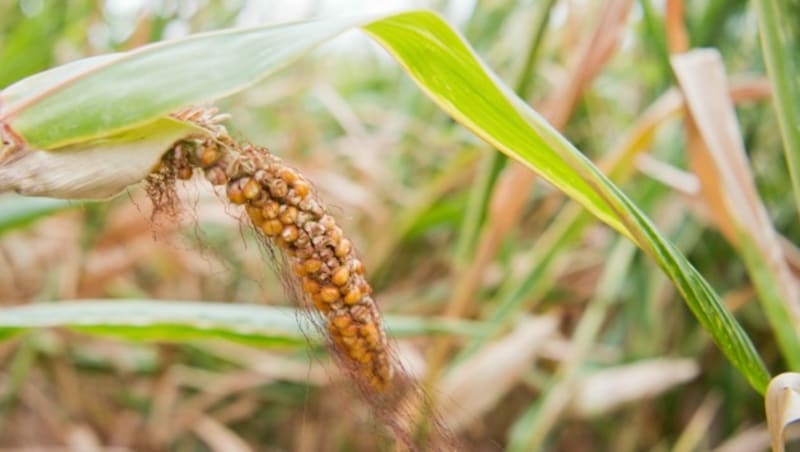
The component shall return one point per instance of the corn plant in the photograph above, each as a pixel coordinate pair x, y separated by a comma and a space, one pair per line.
91, 128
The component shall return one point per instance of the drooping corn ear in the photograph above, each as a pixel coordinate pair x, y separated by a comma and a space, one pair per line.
98, 169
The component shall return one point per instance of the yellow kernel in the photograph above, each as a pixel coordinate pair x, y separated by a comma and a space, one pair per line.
349, 331
251, 189
235, 192
357, 353
310, 286
365, 288
329, 294
370, 333
341, 321
352, 296
340, 276
320, 303
343, 248
184, 173
301, 188
290, 233
255, 214
288, 175
298, 269
366, 358
272, 227
312, 265
209, 156
289, 216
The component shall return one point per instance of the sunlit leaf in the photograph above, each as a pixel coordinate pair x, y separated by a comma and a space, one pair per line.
150, 82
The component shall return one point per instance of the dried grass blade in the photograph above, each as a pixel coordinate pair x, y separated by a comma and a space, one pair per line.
718, 156
782, 403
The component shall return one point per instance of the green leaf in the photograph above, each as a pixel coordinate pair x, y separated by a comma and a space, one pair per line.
158, 79
179, 321
19, 211
118, 92
780, 41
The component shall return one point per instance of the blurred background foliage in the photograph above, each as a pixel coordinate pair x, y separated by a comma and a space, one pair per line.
405, 181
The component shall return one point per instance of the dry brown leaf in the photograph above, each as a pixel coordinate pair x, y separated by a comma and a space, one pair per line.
753, 439
606, 390
219, 437
718, 157
782, 403
694, 433
81, 438
677, 36
475, 386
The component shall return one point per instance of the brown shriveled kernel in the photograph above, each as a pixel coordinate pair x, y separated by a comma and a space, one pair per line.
278, 188
302, 240
184, 173
314, 229
293, 198
251, 189
361, 313
340, 276
310, 205
303, 218
271, 209
216, 175
335, 235
329, 294
272, 227
327, 222
305, 252
356, 266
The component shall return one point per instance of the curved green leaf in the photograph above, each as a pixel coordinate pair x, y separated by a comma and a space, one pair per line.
18, 211
158, 79
136, 87
179, 321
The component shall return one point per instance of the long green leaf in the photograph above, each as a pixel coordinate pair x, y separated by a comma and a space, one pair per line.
17, 211
780, 41
155, 80
178, 321
122, 91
